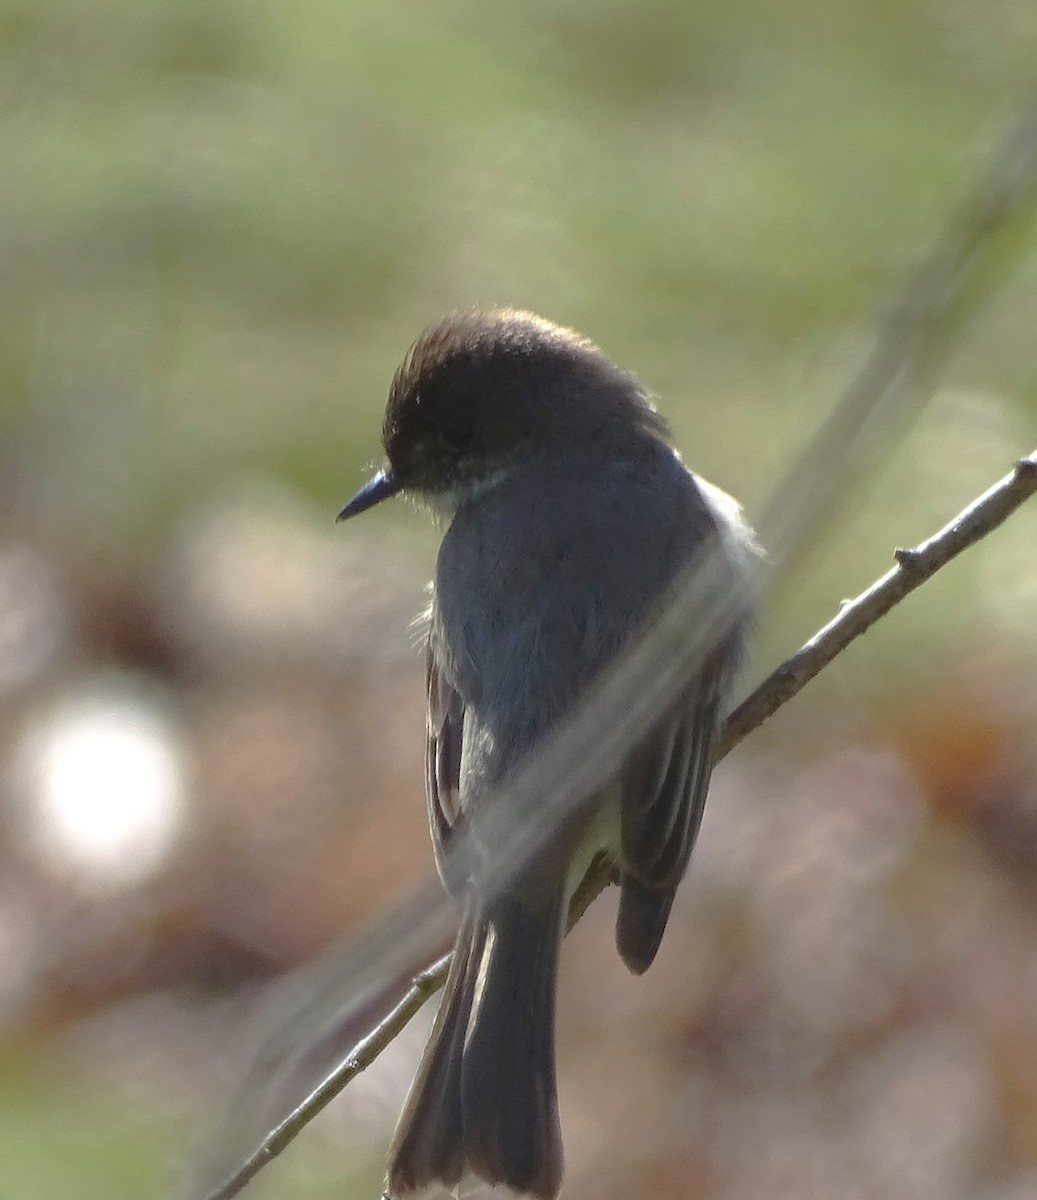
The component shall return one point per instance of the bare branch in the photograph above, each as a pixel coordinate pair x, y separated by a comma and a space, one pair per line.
363, 1054
913, 568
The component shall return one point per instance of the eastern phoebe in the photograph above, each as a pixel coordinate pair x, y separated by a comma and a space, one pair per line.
568, 515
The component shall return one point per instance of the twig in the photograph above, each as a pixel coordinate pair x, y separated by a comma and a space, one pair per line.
426, 983
912, 569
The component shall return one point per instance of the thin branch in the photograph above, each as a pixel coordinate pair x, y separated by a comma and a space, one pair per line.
913, 568
425, 984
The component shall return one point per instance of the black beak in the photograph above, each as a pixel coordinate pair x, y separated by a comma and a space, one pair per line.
381, 487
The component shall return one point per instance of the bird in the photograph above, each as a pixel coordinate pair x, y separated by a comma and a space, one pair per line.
567, 519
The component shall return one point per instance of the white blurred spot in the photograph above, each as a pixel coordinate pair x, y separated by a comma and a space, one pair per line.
102, 777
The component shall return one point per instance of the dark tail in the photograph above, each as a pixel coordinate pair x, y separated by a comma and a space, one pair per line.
641, 922
484, 1098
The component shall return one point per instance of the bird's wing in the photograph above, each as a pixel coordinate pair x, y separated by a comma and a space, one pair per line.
664, 784
444, 736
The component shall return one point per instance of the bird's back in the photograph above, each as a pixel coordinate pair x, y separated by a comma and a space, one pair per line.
550, 573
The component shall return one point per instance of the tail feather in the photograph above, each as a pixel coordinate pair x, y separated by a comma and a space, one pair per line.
428, 1144
485, 1096
508, 1093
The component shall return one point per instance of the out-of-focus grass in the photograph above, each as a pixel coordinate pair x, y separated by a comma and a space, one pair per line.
60, 1136
66, 1134
223, 223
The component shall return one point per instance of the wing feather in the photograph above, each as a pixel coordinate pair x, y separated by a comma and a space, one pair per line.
664, 787
444, 740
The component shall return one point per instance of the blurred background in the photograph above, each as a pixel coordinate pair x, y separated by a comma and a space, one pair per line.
221, 225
